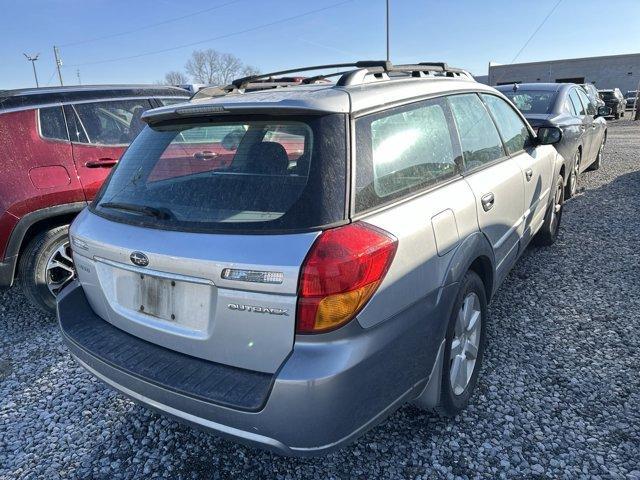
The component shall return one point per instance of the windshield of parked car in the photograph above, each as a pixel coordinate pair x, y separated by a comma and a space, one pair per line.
253, 174
607, 95
532, 101
630, 95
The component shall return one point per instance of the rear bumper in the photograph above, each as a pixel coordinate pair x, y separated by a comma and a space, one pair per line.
326, 393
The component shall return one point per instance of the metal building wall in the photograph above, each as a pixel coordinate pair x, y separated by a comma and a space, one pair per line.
621, 71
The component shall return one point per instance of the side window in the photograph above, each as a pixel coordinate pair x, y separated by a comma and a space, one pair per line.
577, 104
479, 138
569, 107
402, 150
111, 123
591, 110
52, 124
513, 130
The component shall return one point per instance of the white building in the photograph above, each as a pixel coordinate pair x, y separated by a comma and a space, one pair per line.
621, 71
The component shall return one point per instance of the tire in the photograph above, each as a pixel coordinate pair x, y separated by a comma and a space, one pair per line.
599, 158
548, 233
454, 399
616, 116
574, 176
46, 267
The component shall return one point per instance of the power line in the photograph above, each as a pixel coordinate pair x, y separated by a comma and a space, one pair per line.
148, 26
51, 77
540, 25
227, 35
537, 30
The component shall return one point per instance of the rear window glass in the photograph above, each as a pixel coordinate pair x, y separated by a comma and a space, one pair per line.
252, 174
532, 101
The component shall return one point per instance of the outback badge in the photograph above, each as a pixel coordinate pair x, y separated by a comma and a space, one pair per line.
258, 309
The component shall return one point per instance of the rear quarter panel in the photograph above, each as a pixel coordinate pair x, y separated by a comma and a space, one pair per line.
36, 173
429, 228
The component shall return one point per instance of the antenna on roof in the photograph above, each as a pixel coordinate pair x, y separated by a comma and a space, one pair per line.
388, 54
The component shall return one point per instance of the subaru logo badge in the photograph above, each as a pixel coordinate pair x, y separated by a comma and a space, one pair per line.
139, 259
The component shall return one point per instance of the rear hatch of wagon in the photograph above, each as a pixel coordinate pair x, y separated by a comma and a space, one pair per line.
196, 241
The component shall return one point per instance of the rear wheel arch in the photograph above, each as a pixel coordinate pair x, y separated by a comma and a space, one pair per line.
34, 223
42, 225
474, 253
483, 268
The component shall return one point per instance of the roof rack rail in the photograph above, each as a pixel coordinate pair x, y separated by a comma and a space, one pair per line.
239, 82
356, 75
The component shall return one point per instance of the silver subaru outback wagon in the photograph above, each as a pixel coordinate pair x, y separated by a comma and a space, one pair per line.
286, 262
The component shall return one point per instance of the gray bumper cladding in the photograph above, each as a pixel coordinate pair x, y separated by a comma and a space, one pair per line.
199, 379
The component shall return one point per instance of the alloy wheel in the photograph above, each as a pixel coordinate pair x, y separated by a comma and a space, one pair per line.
465, 343
60, 270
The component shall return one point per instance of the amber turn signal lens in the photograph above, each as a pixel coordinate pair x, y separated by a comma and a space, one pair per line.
341, 273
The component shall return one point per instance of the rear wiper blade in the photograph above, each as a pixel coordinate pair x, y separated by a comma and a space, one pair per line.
161, 213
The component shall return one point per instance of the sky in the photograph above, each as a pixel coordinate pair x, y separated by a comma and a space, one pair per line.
95, 35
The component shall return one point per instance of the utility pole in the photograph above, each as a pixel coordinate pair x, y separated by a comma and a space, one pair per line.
388, 56
33, 64
78, 74
56, 54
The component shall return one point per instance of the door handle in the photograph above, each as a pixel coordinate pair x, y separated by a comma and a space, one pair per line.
101, 163
205, 155
487, 201
528, 173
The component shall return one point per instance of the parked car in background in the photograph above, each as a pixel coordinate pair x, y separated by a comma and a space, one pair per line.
630, 98
615, 101
592, 93
192, 87
57, 145
566, 106
293, 303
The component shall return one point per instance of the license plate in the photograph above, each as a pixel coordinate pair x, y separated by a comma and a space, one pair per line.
156, 297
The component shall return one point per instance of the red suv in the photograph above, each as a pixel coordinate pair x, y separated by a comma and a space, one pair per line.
57, 145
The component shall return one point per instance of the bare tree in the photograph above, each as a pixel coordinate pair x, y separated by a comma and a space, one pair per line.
249, 71
175, 77
215, 68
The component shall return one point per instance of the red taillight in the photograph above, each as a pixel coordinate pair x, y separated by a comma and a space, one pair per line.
340, 274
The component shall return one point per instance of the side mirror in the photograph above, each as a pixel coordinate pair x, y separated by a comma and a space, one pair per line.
549, 135
604, 111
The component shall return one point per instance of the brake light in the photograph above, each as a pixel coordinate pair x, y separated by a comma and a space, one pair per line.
342, 271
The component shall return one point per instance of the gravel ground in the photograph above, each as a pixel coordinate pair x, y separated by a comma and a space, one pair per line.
559, 395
